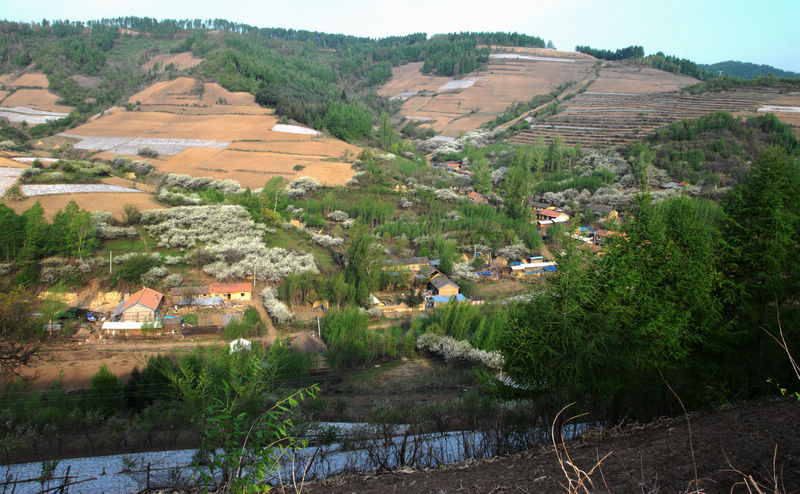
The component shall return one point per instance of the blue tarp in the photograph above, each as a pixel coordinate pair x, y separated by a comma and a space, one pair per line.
550, 268
441, 299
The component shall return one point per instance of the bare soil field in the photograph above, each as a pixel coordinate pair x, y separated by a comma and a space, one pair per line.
85, 81
760, 440
254, 169
37, 99
79, 361
183, 60
31, 79
457, 105
187, 95
170, 125
639, 80
99, 201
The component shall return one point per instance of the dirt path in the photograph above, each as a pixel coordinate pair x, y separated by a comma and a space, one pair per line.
652, 458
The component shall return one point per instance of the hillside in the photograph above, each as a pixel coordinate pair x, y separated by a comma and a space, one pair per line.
421, 248
747, 70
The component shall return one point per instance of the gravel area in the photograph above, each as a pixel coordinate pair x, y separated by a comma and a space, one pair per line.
24, 114
131, 145
50, 189
293, 129
516, 56
7, 178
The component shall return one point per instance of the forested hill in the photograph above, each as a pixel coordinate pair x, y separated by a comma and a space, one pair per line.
747, 70
303, 74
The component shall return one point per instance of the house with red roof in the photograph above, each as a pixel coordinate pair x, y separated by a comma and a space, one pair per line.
141, 306
231, 291
549, 216
478, 198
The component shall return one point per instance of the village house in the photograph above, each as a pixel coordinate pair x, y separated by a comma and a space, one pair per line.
231, 291
142, 306
549, 216
444, 286
415, 264
478, 198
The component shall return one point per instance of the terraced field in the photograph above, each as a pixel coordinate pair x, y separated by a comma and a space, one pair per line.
204, 130
452, 106
606, 118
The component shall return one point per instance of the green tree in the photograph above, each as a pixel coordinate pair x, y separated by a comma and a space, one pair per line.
107, 392
363, 264
482, 176
271, 194
386, 135
20, 334
762, 248
517, 185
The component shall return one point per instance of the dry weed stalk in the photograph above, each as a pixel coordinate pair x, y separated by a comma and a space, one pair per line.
752, 486
695, 483
578, 480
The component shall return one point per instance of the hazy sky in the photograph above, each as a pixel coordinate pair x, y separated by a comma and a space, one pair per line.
705, 31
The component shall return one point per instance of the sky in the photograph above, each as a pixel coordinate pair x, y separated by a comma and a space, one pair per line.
706, 31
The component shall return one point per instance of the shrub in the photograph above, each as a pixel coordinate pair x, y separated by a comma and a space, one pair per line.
147, 152
173, 280
299, 186
154, 275
135, 266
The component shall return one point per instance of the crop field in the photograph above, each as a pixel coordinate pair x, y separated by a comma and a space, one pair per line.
205, 130
461, 104
599, 119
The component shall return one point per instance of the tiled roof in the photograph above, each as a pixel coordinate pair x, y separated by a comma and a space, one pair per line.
146, 297
230, 288
550, 213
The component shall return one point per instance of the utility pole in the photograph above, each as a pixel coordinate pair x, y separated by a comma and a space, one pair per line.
110, 263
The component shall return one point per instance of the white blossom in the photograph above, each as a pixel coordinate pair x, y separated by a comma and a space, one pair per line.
276, 309
452, 350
